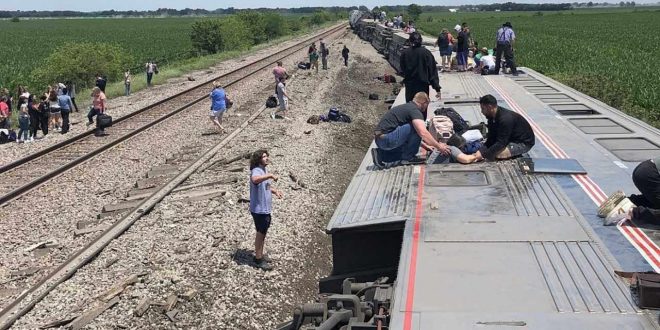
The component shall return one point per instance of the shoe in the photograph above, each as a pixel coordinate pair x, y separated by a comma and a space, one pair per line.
264, 258
272, 115
618, 212
375, 157
263, 265
609, 204
515, 74
89, 124
413, 161
32, 139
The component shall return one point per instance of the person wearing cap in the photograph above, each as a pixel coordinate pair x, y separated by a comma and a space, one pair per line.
419, 68
505, 41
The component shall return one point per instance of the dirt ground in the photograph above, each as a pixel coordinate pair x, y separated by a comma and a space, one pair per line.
207, 245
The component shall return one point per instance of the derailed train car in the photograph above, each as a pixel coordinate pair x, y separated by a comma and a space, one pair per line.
510, 244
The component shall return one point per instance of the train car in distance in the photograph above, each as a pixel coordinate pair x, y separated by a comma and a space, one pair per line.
515, 244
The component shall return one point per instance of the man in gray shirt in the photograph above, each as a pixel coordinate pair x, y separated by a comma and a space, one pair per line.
324, 54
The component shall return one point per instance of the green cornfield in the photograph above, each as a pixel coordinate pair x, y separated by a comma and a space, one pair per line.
607, 54
28, 42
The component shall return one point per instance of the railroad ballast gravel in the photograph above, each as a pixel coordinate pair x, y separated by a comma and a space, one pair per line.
205, 246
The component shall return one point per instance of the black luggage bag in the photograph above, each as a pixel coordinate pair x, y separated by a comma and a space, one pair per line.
103, 121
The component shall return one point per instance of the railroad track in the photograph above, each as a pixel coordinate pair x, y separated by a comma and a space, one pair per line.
30, 297
20, 177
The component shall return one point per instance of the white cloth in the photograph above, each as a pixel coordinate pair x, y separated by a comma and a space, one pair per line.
472, 135
488, 61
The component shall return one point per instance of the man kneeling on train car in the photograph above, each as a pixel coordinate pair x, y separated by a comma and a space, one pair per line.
509, 134
645, 207
400, 133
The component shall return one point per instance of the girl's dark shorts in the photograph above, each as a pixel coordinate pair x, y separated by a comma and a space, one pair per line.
261, 222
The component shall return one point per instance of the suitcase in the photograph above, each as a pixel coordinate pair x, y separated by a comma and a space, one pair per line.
648, 290
103, 121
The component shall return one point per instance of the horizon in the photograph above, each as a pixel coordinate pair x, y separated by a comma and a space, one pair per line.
123, 5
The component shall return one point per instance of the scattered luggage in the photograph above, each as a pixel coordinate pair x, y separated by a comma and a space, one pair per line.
7, 135
373, 96
460, 125
304, 65
313, 119
103, 121
271, 102
442, 128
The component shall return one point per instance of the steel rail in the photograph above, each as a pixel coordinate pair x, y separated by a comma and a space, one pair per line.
30, 297
24, 162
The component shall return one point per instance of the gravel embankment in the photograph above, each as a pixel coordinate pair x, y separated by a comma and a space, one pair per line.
52, 211
206, 245
121, 106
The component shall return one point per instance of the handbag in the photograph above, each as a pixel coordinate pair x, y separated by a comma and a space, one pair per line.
103, 121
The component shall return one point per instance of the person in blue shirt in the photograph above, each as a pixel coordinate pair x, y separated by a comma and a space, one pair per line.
261, 201
505, 41
218, 105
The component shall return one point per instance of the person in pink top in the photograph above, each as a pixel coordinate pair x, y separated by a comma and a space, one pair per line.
98, 105
279, 71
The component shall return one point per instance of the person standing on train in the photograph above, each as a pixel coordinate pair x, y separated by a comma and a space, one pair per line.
509, 133
444, 44
261, 203
644, 207
419, 69
400, 132
505, 40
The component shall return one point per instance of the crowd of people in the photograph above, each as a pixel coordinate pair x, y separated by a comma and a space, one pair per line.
484, 60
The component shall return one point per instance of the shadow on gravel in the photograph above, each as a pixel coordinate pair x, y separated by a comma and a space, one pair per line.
243, 257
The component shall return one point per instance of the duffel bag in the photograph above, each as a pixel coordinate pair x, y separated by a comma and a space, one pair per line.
103, 121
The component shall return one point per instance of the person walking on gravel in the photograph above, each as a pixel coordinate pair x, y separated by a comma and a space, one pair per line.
151, 69
261, 200
344, 54
98, 106
282, 99
324, 54
218, 105
66, 106
314, 57
278, 72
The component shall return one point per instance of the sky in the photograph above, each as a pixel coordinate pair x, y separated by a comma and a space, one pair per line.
91, 5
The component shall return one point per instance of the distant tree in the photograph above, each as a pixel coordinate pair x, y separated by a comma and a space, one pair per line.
622, 4
414, 11
205, 35
590, 4
80, 61
632, 4
15, 19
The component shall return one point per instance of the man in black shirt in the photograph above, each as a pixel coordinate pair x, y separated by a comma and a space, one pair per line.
401, 131
509, 134
419, 68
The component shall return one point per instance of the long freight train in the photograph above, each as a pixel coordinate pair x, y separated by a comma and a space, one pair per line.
497, 245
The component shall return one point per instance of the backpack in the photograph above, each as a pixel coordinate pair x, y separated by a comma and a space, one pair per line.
271, 102
333, 114
442, 128
344, 118
443, 40
460, 125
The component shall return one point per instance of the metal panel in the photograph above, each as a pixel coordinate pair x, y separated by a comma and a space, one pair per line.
573, 109
635, 149
578, 279
555, 97
501, 229
374, 197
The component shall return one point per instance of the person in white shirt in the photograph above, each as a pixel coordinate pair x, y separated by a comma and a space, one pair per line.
487, 63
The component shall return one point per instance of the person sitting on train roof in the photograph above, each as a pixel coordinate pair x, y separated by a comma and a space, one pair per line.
400, 133
643, 208
509, 134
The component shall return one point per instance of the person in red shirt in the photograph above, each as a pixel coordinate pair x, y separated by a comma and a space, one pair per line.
4, 113
279, 71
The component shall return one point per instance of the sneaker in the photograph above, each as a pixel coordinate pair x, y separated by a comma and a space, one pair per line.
272, 115
32, 139
375, 157
264, 258
263, 265
618, 212
609, 204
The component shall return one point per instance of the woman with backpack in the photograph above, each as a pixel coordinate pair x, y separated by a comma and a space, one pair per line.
444, 43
